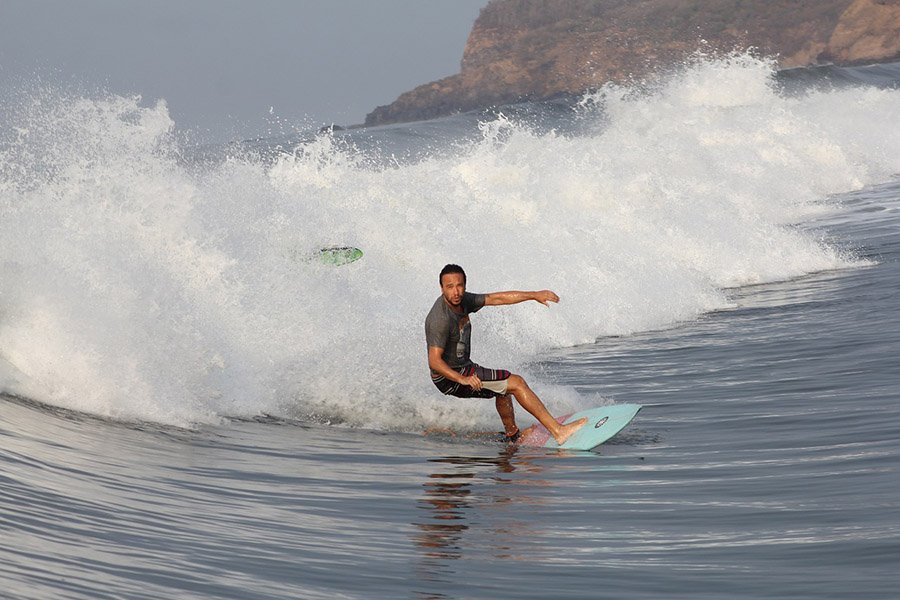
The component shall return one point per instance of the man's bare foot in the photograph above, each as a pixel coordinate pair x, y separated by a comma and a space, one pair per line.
566, 431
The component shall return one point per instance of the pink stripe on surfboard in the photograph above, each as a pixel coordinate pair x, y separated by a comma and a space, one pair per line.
537, 434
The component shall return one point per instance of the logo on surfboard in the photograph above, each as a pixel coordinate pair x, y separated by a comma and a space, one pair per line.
600, 423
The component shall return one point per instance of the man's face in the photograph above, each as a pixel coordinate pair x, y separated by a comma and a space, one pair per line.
453, 286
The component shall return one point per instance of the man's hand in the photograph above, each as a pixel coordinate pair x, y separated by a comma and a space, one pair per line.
473, 382
546, 296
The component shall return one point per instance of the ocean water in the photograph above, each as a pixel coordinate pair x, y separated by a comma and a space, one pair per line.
191, 408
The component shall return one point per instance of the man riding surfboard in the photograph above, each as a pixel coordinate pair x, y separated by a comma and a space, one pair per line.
448, 333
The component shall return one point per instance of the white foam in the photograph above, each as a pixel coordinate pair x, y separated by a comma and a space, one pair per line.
138, 287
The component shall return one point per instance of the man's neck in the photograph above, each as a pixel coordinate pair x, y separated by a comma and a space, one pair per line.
457, 309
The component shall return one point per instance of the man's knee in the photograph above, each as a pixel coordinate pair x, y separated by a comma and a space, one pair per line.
515, 382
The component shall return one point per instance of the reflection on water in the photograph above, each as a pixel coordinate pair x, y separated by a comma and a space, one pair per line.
447, 499
461, 514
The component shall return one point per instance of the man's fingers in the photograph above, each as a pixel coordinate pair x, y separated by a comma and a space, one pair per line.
546, 296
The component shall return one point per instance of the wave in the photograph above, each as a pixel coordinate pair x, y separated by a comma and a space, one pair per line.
139, 284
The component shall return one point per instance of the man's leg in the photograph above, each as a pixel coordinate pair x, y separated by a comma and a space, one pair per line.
530, 402
507, 414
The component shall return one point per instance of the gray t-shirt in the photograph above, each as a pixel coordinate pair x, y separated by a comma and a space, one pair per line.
451, 331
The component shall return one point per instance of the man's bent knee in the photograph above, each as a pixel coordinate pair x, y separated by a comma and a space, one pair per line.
515, 382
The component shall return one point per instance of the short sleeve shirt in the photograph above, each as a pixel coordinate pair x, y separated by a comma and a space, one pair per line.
452, 331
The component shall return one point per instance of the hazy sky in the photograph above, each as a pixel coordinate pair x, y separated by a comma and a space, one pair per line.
221, 64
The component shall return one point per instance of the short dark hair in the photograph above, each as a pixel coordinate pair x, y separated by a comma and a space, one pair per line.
451, 269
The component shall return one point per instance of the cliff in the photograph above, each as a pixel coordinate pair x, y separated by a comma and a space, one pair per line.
537, 49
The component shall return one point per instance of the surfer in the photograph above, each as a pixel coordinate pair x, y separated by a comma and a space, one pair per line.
448, 333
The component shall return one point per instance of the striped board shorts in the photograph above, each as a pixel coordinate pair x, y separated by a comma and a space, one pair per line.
493, 381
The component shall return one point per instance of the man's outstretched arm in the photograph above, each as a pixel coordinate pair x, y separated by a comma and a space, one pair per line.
514, 297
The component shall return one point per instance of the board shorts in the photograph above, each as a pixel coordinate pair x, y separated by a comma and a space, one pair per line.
493, 381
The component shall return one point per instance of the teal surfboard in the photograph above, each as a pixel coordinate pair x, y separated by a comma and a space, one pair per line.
603, 423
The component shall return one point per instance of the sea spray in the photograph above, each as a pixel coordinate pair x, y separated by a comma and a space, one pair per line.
142, 285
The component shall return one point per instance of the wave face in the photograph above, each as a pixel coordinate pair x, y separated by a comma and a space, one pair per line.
139, 284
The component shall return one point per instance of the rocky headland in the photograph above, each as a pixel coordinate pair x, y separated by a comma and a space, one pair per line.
539, 49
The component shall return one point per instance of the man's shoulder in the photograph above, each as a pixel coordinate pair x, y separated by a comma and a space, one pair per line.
473, 302
438, 324
438, 310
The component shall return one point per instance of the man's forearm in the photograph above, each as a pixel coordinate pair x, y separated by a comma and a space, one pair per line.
515, 296
510, 297
440, 366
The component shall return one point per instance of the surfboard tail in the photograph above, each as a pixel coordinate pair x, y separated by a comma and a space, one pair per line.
603, 423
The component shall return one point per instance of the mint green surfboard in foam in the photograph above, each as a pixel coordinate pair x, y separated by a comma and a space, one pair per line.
338, 255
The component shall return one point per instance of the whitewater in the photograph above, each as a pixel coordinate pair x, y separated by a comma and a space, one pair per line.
141, 287
161, 324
